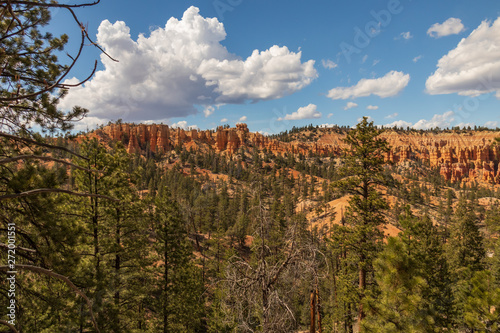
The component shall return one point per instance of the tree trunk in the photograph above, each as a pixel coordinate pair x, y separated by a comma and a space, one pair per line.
318, 302
312, 328
165, 295
117, 272
362, 286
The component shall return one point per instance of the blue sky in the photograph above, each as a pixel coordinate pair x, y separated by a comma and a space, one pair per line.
277, 64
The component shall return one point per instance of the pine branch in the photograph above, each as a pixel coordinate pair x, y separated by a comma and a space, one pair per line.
44, 158
54, 190
17, 247
10, 326
18, 138
62, 278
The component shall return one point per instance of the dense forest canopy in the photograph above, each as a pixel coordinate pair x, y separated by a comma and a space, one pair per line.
96, 238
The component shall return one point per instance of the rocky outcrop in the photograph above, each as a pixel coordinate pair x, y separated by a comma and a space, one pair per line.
139, 138
458, 156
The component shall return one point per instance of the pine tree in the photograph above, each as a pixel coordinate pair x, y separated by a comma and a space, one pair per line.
400, 306
362, 172
177, 289
31, 87
465, 247
481, 308
424, 244
466, 255
114, 249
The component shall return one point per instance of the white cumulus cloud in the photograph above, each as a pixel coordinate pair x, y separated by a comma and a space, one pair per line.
183, 124
389, 85
368, 118
328, 64
438, 120
89, 123
306, 112
462, 125
181, 66
473, 67
399, 123
451, 26
224, 120
208, 110
350, 105
393, 115
372, 107
244, 118
491, 124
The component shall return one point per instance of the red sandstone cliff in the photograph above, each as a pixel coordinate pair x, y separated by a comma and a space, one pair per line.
469, 155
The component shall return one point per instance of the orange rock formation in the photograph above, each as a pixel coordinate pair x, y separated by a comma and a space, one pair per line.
458, 156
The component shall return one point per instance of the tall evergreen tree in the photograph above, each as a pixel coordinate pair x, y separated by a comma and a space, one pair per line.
424, 245
176, 281
466, 255
362, 172
400, 306
32, 84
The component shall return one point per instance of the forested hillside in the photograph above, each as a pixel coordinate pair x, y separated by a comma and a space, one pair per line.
310, 230
199, 240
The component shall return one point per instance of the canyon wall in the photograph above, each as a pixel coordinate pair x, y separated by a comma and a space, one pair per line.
459, 156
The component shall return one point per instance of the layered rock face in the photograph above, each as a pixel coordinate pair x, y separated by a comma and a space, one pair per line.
459, 156
138, 137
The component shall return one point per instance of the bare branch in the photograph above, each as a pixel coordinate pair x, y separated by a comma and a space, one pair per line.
62, 278
17, 247
44, 158
12, 328
18, 138
57, 5
57, 84
54, 190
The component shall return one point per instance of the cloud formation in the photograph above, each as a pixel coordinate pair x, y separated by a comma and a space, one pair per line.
372, 107
438, 120
389, 85
328, 64
405, 35
350, 105
243, 118
399, 123
183, 124
306, 112
451, 26
473, 67
180, 67
491, 124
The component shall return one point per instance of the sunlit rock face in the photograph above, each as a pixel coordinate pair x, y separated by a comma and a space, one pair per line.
458, 156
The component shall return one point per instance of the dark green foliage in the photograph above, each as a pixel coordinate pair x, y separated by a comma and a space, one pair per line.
465, 246
425, 247
32, 75
400, 305
362, 172
176, 288
481, 310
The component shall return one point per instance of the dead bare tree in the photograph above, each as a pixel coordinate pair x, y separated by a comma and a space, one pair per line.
259, 290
